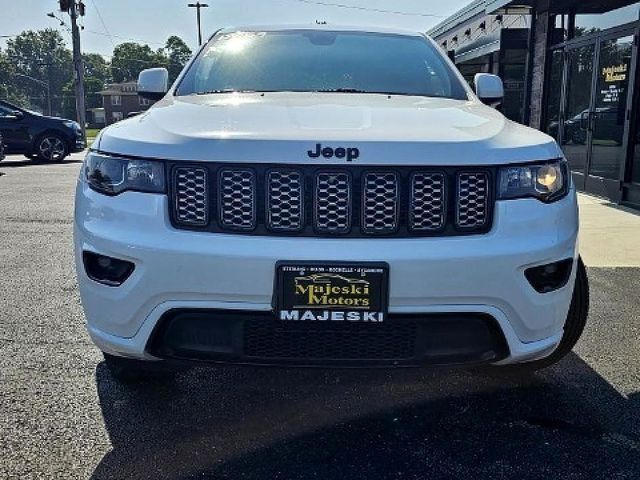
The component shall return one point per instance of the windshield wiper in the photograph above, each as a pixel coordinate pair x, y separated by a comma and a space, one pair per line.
341, 90
224, 90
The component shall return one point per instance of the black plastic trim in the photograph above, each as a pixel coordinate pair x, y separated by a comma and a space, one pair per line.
445, 202
363, 180
87, 259
441, 339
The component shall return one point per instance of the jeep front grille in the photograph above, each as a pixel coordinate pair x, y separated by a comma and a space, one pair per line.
285, 200
316, 201
427, 210
191, 199
380, 203
473, 192
237, 199
333, 203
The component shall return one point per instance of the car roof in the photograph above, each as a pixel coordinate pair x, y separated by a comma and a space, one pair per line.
321, 27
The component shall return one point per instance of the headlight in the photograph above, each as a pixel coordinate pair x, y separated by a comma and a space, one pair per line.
72, 124
547, 181
114, 175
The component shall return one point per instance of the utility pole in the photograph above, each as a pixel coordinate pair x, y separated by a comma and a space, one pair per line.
198, 6
76, 8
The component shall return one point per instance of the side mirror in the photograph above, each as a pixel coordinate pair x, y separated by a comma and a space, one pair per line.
17, 115
153, 83
489, 88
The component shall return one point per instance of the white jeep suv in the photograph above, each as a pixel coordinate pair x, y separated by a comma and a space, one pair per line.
326, 196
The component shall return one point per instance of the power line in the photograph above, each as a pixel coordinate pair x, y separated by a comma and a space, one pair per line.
369, 9
104, 25
137, 40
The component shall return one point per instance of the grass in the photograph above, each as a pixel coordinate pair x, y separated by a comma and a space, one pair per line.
92, 133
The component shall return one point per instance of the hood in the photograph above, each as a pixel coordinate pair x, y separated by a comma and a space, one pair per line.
284, 127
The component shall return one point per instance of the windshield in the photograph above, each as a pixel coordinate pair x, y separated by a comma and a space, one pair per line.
321, 61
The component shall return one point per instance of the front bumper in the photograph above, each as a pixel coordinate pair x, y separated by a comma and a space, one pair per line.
78, 146
77, 143
176, 270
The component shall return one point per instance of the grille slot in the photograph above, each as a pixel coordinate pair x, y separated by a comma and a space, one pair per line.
237, 193
192, 198
285, 201
427, 211
380, 202
273, 339
473, 193
333, 202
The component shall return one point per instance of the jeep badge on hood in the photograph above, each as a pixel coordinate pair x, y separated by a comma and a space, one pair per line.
350, 153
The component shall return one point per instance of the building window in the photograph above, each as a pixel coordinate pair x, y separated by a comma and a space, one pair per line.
590, 23
513, 69
116, 116
116, 100
561, 29
144, 102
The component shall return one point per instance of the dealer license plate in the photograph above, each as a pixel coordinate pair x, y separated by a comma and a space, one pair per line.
340, 292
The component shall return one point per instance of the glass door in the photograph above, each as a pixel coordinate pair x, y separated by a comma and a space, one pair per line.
575, 134
608, 117
631, 190
594, 119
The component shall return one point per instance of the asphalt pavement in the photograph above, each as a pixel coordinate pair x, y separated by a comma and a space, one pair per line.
63, 416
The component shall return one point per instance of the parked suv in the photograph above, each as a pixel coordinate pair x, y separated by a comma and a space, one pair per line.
328, 197
48, 139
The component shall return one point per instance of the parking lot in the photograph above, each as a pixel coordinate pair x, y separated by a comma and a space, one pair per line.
62, 415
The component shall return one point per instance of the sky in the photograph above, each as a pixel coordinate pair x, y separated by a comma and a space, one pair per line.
109, 22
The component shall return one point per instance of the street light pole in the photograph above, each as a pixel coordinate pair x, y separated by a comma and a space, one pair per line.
198, 6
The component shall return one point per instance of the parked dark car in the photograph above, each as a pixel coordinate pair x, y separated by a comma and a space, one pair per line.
610, 121
48, 139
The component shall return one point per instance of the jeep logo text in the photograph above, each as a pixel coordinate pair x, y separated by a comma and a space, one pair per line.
340, 152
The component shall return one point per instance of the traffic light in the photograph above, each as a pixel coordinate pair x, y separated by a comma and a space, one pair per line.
81, 9
65, 5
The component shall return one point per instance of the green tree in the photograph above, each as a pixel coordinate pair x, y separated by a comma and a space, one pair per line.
8, 86
41, 55
178, 54
96, 66
130, 58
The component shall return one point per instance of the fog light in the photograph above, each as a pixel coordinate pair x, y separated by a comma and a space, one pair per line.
106, 270
549, 277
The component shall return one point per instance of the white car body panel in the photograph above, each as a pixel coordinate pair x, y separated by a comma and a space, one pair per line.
281, 127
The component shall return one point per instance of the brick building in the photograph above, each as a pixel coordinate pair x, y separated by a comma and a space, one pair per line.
121, 100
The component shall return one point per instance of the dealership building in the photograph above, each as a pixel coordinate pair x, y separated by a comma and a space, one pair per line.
570, 68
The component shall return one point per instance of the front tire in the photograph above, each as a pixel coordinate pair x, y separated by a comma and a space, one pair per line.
127, 370
51, 147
